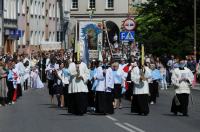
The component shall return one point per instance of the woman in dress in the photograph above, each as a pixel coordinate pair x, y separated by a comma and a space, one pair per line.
36, 81
118, 84
62, 83
3, 86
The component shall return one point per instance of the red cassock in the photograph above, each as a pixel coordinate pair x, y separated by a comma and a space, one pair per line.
126, 70
15, 77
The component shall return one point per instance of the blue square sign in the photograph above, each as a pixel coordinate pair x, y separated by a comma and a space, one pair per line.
127, 36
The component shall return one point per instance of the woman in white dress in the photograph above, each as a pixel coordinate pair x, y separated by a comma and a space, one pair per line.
36, 81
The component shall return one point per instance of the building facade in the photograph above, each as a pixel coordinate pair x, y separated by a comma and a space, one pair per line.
51, 20
1, 24
112, 12
37, 20
10, 32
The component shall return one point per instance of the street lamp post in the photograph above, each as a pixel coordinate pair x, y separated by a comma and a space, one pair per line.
91, 13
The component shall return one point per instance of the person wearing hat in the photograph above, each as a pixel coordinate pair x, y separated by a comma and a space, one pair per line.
182, 78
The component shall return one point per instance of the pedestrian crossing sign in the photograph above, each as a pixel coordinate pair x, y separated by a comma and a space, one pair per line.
127, 36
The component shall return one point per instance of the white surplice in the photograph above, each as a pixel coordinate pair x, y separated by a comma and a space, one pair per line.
78, 85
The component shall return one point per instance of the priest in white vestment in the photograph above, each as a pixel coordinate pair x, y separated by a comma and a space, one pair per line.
79, 75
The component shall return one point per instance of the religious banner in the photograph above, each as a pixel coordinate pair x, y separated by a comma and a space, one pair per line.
89, 36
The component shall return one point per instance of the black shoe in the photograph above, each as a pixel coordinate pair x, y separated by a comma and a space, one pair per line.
185, 115
175, 113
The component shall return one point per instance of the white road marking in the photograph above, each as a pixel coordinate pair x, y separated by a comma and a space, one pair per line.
124, 127
112, 118
134, 127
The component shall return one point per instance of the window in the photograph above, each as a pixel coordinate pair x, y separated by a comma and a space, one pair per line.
39, 37
58, 11
136, 2
23, 7
43, 37
49, 36
74, 4
32, 38
18, 5
36, 8
39, 9
24, 38
53, 11
109, 4
53, 39
91, 4
35, 38
43, 9
32, 7
49, 10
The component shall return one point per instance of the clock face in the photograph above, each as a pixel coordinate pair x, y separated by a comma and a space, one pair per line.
129, 24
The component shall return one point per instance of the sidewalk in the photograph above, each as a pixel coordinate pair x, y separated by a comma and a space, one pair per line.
197, 86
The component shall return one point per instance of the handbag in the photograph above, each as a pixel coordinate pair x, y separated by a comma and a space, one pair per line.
140, 85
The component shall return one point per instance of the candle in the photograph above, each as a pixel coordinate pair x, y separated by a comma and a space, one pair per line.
78, 52
142, 58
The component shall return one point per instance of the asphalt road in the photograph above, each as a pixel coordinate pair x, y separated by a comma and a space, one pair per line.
33, 113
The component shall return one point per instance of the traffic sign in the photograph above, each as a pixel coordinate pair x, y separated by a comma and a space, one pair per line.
127, 36
129, 24
19, 33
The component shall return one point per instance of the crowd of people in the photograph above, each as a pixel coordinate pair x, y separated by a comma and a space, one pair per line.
17, 74
100, 85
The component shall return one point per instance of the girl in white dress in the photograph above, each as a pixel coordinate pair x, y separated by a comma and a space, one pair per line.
36, 81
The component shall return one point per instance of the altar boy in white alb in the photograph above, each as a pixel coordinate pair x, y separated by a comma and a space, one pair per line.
182, 78
105, 85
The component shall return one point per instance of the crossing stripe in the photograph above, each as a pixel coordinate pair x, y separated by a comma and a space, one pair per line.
134, 127
124, 127
112, 118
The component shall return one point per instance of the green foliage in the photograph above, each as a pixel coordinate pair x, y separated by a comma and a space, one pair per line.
166, 26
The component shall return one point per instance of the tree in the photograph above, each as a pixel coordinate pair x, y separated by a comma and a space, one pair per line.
166, 26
